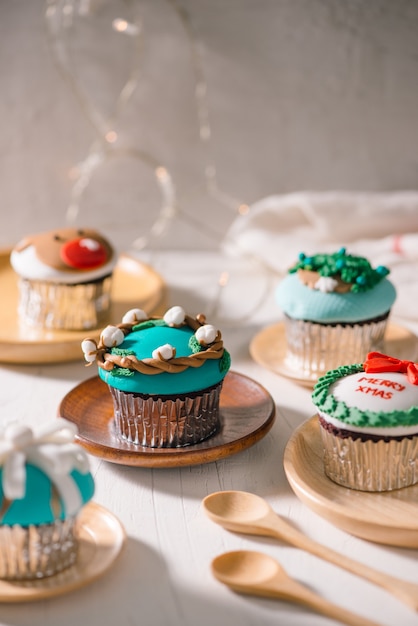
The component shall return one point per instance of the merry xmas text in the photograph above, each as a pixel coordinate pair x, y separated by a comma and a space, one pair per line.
383, 382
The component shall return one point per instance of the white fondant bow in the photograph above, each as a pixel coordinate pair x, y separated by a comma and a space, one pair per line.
51, 449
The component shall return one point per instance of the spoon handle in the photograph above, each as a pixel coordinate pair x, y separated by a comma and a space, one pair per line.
325, 607
405, 591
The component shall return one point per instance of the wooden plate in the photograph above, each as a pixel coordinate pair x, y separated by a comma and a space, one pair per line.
268, 348
135, 285
247, 413
101, 537
389, 517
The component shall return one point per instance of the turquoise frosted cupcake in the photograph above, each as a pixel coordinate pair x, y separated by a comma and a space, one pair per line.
165, 376
336, 308
44, 483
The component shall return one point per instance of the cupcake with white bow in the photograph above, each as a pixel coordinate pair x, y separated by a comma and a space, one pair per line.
165, 376
44, 483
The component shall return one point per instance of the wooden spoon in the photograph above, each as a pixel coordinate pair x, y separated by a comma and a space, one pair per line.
258, 574
245, 512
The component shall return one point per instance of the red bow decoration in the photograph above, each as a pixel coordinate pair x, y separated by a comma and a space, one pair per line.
377, 362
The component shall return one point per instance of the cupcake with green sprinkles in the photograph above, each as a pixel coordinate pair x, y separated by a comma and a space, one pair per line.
165, 376
336, 309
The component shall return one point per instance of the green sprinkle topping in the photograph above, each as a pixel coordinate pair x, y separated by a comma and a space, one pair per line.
121, 371
225, 362
122, 351
149, 324
194, 345
351, 269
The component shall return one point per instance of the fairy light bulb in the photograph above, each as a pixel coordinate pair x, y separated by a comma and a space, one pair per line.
61, 16
123, 26
223, 279
120, 25
111, 136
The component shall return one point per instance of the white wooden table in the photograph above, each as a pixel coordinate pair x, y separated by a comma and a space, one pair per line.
162, 576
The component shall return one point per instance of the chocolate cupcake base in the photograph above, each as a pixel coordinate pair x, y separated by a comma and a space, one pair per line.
166, 421
33, 552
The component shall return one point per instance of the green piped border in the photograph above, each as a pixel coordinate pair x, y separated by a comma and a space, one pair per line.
327, 403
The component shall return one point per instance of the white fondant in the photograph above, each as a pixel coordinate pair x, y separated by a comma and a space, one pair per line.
175, 316
206, 334
27, 265
379, 393
52, 450
326, 284
112, 336
164, 352
89, 349
133, 316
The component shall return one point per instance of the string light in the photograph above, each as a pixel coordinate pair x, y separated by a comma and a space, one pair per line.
60, 16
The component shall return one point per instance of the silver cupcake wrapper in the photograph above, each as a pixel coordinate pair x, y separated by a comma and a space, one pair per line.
66, 307
370, 465
313, 349
162, 422
37, 551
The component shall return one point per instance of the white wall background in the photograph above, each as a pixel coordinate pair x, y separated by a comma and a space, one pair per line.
236, 99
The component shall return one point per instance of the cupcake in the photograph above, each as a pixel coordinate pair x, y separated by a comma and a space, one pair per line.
44, 482
368, 417
336, 308
165, 376
64, 278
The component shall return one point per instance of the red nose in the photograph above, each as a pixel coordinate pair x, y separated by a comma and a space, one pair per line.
83, 253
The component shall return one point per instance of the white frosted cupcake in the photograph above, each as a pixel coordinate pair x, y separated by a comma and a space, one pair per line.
368, 416
44, 483
64, 278
336, 308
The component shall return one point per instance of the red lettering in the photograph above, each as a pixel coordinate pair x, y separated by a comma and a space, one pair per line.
383, 382
364, 389
385, 395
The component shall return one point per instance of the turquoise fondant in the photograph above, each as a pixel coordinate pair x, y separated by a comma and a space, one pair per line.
143, 340
301, 302
37, 507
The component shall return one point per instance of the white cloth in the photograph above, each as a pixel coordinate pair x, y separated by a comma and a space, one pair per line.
382, 227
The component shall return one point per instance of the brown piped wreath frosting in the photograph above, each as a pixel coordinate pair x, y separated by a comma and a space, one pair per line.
136, 319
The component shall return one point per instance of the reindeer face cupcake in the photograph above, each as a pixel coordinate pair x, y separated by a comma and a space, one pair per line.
44, 483
165, 376
64, 278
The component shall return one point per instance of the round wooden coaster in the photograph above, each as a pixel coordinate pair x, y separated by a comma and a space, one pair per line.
101, 537
247, 412
388, 517
134, 285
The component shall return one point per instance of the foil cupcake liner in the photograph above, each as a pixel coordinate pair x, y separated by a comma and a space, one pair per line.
368, 465
65, 307
34, 552
313, 349
166, 422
